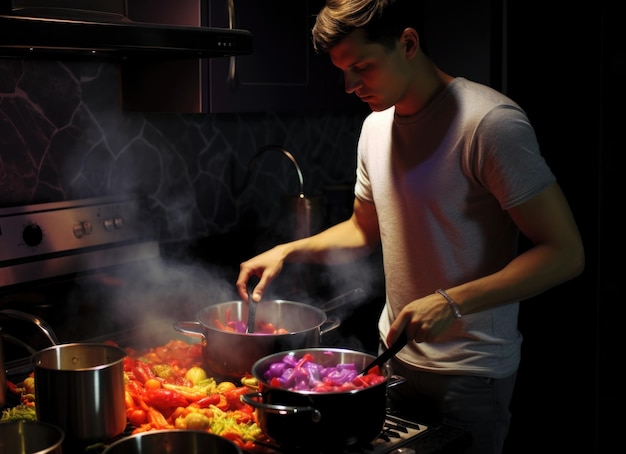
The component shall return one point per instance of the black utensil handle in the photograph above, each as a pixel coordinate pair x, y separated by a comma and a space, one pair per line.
252, 282
387, 354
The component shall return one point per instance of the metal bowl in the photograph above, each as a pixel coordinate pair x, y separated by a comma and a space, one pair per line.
173, 441
19, 437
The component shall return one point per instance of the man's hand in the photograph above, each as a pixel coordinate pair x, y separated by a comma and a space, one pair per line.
266, 266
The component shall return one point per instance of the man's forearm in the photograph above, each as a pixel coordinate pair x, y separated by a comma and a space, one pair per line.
340, 243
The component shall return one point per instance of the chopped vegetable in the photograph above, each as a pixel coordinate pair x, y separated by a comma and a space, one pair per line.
305, 375
19, 413
240, 327
186, 397
195, 375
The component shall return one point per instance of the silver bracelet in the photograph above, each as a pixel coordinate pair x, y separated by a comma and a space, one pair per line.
451, 303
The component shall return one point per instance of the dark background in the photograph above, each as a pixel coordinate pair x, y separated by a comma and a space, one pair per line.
564, 67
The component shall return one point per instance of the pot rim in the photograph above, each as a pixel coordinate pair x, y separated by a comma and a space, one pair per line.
37, 357
274, 357
323, 317
176, 432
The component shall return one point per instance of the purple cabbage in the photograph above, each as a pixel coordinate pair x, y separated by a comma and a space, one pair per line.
302, 375
238, 325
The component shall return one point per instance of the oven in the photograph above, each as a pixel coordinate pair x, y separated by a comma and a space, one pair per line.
62, 263
94, 270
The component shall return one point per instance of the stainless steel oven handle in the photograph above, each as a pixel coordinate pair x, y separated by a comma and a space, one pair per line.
43, 326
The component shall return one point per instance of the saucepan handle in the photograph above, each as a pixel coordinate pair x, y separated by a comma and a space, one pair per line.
330, 324
189, 328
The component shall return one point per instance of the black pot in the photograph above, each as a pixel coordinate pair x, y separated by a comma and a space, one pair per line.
320, 421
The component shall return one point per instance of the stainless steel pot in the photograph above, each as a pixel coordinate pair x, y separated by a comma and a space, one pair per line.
231, 355
173, 441
20, 437
80, 388
320, 422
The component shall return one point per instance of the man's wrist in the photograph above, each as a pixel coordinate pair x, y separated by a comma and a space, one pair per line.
454, 308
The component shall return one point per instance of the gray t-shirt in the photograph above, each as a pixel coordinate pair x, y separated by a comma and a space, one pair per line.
441, 181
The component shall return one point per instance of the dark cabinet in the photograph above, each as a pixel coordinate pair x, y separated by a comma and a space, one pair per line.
283, 73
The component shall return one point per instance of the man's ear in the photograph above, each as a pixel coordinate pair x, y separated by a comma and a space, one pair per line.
410, 41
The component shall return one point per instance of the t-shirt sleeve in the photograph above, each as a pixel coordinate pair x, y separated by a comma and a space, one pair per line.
510, 164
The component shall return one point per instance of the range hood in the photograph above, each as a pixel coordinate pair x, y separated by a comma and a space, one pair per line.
36, 28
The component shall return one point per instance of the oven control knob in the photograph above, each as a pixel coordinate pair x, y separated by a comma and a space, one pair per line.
83, 228
108, 224
32, 235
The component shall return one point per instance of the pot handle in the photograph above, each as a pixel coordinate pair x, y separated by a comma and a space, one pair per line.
189, 328
252, 400
330, 324
395, 380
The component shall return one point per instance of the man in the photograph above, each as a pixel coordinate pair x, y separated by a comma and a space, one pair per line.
449, 173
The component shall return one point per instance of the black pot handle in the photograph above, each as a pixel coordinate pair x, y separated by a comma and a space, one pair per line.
252, 399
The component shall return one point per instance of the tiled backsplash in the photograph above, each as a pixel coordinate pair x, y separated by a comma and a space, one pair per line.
63, 136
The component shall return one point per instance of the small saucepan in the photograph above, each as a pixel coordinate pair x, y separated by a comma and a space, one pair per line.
231, 355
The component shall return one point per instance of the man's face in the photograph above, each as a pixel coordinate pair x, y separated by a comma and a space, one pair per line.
377, 75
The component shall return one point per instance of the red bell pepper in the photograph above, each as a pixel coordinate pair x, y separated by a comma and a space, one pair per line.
142, 372
162, 398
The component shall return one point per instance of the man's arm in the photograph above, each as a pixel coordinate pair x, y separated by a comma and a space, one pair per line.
556, 255
344, 242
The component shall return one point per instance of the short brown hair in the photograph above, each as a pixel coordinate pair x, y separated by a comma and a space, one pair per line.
383, 21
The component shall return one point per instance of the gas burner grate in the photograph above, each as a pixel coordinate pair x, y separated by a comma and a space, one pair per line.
395, 433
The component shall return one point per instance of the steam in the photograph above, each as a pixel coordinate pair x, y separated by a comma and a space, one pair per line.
145, 298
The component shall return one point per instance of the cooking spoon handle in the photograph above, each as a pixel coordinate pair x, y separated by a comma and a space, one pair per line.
387, 354
251, 305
